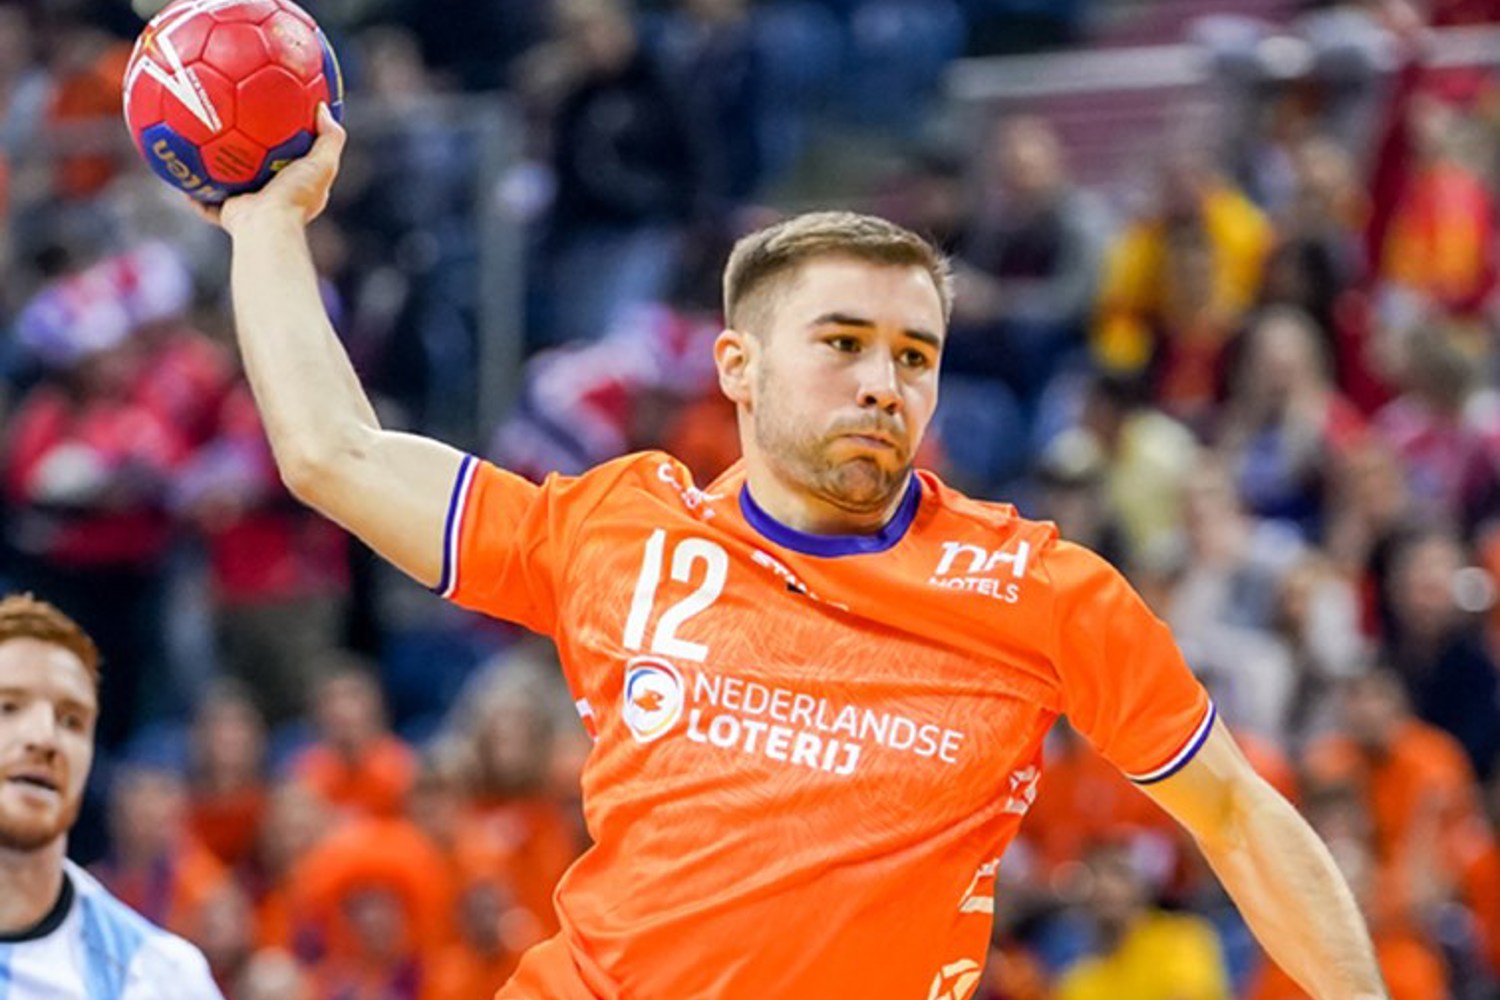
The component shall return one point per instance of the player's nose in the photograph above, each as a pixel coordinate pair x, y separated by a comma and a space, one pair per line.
879, 383
39, 728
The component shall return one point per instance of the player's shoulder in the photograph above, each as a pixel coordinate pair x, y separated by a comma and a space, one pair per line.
959, 518
654, 475
168, 968
650, 467
642, 468
953, 510
160, 964
627, 476
119, 926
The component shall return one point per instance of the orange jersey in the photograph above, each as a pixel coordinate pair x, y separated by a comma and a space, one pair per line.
810, 751
374, 785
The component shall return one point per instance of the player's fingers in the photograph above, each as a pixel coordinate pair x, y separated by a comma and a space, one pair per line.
331, 136
208, 213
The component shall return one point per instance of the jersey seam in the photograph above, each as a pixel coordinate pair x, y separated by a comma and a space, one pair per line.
1012, 517
571, 545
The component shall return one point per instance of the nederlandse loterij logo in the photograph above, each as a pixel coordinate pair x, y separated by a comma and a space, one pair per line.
653, 697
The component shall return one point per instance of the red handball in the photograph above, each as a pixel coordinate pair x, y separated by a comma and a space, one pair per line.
221, 94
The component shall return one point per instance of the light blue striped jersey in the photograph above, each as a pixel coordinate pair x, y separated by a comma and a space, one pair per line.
97, 948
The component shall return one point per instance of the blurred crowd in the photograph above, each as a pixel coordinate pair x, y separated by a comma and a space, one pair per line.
1258, 374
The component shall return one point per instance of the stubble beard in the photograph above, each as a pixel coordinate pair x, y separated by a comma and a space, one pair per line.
26, 836
859, 485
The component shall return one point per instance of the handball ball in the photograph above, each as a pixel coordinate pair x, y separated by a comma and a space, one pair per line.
221, 94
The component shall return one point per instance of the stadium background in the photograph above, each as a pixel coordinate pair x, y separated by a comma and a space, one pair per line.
1227, 313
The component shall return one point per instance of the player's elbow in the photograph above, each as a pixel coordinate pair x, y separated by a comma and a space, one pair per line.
1244, 803
304, 474
316, 470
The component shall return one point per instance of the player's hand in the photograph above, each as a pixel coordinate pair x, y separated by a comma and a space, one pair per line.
300, 188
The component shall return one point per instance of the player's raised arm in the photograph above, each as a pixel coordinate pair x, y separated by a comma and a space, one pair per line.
1280, 875
1127, 689
390, 489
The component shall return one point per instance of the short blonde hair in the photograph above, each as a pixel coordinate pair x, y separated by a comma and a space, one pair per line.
24, 617
778, 249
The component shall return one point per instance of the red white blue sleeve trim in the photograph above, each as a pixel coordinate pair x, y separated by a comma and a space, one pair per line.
1187, 753
452, 528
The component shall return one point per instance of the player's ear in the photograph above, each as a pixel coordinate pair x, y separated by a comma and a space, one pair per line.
734, 353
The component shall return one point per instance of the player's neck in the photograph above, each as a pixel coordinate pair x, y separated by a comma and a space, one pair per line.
30, 882
813, 515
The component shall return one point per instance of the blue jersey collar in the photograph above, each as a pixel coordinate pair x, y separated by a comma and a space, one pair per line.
830, 546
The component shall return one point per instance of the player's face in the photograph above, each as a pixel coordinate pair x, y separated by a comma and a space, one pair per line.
47, 711
844, 379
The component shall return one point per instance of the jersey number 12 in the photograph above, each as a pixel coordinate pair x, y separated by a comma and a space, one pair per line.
685, 553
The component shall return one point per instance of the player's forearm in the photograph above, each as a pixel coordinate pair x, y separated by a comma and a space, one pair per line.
1290, 892
314, 409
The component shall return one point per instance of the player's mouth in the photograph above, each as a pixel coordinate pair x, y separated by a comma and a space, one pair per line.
35, 781
875, 440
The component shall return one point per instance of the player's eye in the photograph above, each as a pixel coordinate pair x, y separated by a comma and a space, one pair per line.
9, 706
74, 722
915, 359
844, 343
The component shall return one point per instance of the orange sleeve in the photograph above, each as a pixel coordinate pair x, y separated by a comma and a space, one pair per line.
1125, 686
506, 541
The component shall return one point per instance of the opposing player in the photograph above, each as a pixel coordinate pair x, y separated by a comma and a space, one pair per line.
62, 936
818, 687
